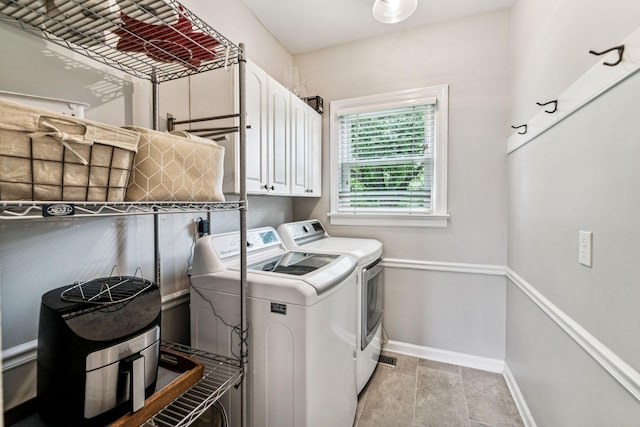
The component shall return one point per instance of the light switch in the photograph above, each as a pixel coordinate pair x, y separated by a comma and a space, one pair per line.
585, 242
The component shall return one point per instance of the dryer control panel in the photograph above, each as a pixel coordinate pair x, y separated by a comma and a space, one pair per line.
302, 232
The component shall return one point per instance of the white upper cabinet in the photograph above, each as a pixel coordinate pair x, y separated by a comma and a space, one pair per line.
306, 149
283, 141
256, 135
314, 161
257, 167
278, 139
299, 153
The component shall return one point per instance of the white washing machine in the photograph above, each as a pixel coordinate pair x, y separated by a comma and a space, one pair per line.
311, 236
302, 329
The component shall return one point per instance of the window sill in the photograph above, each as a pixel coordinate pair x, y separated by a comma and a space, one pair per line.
390, 220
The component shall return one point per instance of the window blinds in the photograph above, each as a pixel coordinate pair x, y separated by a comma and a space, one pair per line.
386, 160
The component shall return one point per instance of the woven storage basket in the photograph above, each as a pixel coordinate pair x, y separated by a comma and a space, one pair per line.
176, 167
48, 156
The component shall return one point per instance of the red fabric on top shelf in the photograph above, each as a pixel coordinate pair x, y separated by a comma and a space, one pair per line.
166, 43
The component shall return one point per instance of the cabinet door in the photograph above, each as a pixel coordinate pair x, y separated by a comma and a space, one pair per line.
314, 150
306, 149
299, 144
256, 135
278, 139
256, 140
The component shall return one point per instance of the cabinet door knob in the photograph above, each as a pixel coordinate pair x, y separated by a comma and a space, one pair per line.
266, 187
272, 188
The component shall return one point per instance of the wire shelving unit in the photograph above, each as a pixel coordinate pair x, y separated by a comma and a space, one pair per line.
158, 41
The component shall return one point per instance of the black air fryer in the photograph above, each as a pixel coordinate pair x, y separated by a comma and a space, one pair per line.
98, 349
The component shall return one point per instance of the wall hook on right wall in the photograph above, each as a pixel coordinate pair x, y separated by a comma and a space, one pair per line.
521, 126
620, 50
554, 108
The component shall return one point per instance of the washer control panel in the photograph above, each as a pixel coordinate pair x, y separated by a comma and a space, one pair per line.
228, 244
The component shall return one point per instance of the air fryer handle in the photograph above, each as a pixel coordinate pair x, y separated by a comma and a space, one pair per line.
135, 367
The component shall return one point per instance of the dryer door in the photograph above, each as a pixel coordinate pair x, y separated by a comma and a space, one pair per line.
372, 280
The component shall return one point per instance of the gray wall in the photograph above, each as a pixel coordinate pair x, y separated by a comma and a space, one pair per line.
580, 175
36, 256
470, 55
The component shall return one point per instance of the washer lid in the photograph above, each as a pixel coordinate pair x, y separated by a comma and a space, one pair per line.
322, 271
296, 263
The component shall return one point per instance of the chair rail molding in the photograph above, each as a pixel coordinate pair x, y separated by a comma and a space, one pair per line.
628, 377
454, 267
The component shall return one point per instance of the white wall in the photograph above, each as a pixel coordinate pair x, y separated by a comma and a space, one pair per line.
34, 66
36, 256
550, 41
469, 54
580, 175
236, 22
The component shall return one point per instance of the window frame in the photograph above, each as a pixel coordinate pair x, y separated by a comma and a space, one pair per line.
404, 98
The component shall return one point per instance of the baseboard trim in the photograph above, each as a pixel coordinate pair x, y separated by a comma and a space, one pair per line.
628, 377
469, 361
454, 267
19, 355
24, 353
445, 356
175, 299
518, 398
20, 412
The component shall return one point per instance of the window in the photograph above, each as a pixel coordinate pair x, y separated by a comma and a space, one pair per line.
389, 159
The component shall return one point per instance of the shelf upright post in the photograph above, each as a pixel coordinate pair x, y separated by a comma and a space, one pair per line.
155, 119
155, 96
243, 231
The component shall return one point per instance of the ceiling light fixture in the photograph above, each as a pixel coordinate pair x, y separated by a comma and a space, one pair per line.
393, 11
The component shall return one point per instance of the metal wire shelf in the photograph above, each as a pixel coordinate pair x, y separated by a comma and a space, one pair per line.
220, 375
14, 210
157, 40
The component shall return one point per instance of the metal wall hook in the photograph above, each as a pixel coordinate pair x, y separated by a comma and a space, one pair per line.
555, 106
620, 50
521, 126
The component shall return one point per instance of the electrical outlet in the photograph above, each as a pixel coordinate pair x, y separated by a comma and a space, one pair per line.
585, 242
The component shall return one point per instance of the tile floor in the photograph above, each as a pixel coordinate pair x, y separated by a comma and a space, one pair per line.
423, 393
